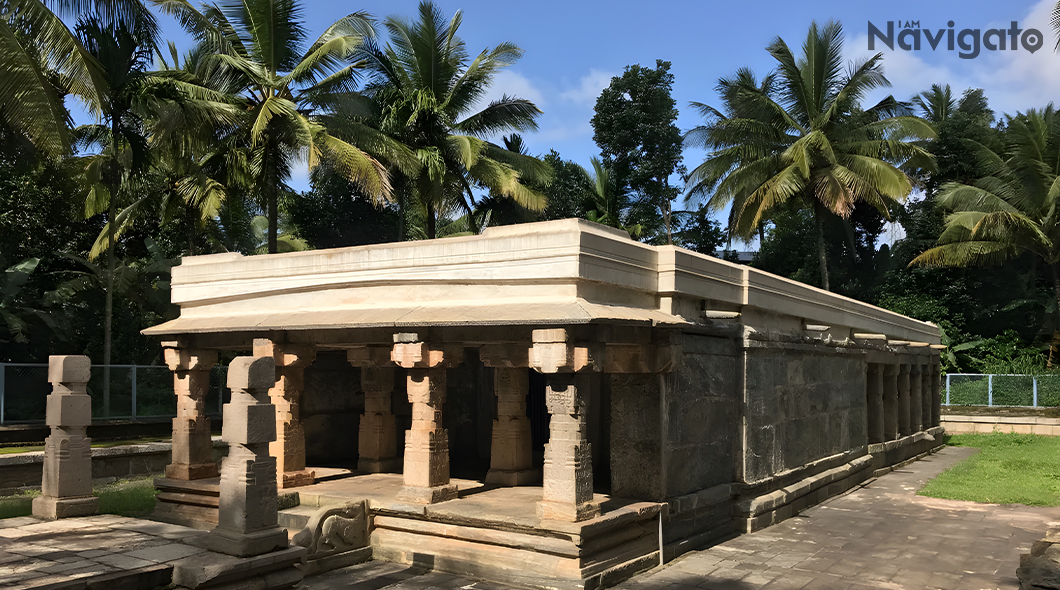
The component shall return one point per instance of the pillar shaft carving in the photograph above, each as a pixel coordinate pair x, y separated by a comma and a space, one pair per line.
568, 471
874, 403
192, 446
916, 398
66, 485
426, 473
286, 395
247, 522
936, 394
377, 433
890, 402
510, 451
927, 396
904, 424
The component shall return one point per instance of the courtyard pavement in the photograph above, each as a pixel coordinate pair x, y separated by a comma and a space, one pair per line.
881, 536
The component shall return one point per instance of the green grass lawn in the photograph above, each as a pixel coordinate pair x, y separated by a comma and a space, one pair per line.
1008, 469
95, 445
134, 497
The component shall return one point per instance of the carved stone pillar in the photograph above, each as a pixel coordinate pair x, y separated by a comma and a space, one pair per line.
247, 515
510, 449
377, 433
904, 423
66, 486
568, 470
874, 403
916, 398
286, 395
927, 396
192, 446
426, 474
936, 394
890, 402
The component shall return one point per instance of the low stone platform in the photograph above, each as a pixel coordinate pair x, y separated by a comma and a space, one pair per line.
494, 533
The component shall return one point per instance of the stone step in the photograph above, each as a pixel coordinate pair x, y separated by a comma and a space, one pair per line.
295, 519
154, 576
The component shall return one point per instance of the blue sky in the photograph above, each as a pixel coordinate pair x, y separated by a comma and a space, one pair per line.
573, 48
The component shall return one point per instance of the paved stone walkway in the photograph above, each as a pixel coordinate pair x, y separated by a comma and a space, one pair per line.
36, 553
878, 537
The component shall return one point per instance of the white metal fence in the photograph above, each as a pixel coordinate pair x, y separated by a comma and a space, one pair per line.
975, 389
136, 391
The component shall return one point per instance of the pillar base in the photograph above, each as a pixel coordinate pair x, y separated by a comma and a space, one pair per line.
247, 544
514, 477
189, 472
567, 512
293, 479
389, 465
431, 495
54, 508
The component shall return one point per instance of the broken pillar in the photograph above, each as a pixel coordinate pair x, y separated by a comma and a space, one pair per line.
66, 485
289, 446
247, 518
192, 445
377, 432
426, 473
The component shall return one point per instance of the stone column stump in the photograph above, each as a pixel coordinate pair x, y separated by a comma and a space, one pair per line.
568, 469
192, 445
66, 486
247, 523
289, 446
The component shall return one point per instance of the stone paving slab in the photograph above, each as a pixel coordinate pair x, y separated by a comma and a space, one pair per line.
34, 552
881, 536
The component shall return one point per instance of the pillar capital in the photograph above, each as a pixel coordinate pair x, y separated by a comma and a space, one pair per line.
189, 359
370, 356
409, 353
554, 352
285, 354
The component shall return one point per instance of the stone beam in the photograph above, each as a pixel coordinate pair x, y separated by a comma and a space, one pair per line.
286, 394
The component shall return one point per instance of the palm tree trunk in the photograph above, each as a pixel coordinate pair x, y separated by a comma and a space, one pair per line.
273, 213
1054, 347
108, 306
430, 222
818, 214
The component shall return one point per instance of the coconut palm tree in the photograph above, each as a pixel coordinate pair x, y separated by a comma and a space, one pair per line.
41, 59
611, 202
803, 136
936, 105
427, 92
291, 92
1014, 209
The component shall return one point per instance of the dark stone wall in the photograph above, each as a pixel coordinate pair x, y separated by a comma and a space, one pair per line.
675, 434
802, 405
332, 404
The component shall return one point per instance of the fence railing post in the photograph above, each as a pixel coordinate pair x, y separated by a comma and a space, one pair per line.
3, 380
1034, 382
133, 409
948, 388
990, 390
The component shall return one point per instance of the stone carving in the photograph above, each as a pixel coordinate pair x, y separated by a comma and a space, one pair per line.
510, 451
335, 529
247, 517
568, 470
66, 486
1040, 569
289, 446
377, 435
192, 446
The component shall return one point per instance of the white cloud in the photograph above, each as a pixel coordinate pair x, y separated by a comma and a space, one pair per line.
1012, 80
589, 87
510, 83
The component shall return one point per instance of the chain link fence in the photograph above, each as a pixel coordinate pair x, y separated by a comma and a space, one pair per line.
974, 389
136, 391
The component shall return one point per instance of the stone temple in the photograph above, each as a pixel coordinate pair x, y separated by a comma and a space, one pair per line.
549, 405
